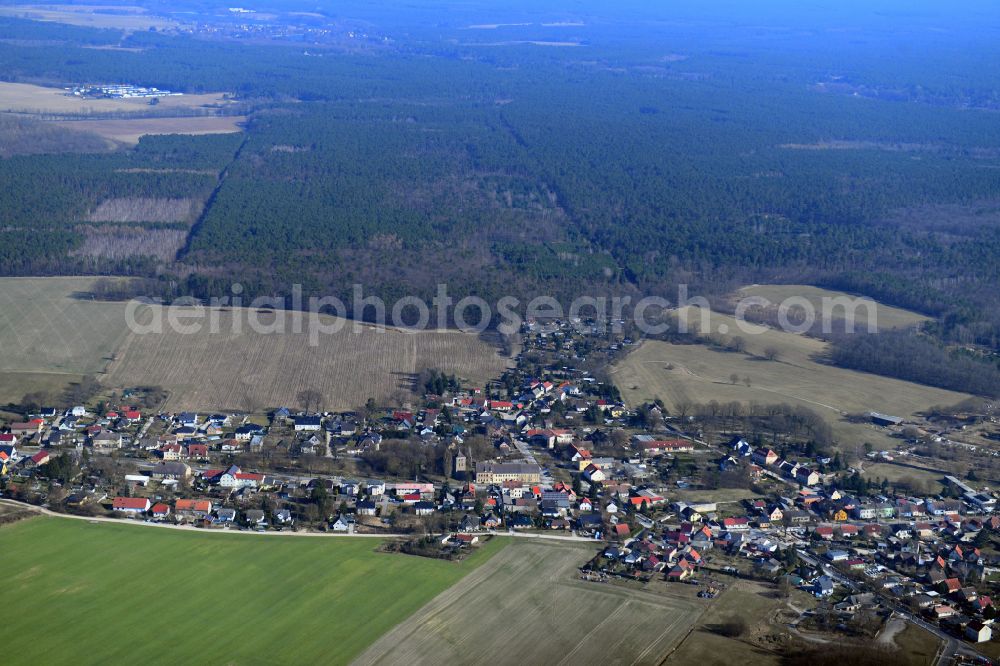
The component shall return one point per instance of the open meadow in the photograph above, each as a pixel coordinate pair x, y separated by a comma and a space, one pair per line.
100, 593
907, 473
699, 374
919, 647
886, 317
527, 606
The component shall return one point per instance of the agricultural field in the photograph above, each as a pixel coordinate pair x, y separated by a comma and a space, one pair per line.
15, 385
48, 325
92, 16
51, 332
98, 593
700, 374
886, 317
131, 118
526, 605
28, 98
129, 130
239, 368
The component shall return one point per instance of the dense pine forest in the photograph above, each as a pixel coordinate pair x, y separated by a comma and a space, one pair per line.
591, 151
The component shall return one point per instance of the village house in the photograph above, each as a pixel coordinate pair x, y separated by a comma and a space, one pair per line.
173, 471
130, 505
192, 508
247, 431
225, 516
106, 441
36, 460
978, 631
308, 423
764, 456
495, 473
594, 474
234, 478
197, 451
171, 452
26, 428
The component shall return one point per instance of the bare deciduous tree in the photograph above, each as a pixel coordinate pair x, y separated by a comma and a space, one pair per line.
309, 399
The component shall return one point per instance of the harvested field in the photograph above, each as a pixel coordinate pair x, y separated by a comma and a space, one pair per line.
120, 242
700, 374
131, 129
886, 317
52, 332
240, 368
28, 98
144, 209
527, 606
44, 328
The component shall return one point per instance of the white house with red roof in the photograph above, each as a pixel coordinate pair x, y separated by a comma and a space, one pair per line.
235, 478
130, 505
40, 458
735, 524
658, 447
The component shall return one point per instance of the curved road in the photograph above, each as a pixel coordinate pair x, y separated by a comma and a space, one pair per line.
190, 528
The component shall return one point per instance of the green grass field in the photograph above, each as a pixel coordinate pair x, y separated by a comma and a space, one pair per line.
82, 593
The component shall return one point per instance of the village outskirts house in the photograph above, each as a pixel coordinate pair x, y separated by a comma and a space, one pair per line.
308, 423
170, 471
130, 505
497, 473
